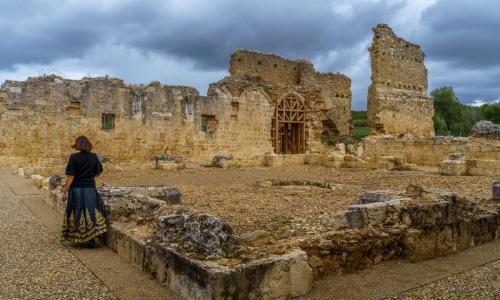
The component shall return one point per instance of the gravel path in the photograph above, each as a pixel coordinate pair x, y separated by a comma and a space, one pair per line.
34, 265
480, 283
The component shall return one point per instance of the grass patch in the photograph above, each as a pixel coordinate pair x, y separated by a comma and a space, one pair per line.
361, 131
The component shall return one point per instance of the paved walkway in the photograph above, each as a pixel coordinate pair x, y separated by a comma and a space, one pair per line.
34, 264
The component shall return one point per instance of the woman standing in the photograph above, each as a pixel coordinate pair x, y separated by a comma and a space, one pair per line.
84, 219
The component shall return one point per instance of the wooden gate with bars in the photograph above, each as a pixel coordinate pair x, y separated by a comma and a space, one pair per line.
288, 126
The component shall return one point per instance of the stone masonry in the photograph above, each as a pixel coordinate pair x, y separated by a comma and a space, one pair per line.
41, 117
397, 97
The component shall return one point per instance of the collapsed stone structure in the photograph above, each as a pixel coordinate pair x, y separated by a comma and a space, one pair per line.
397, 97
268, 104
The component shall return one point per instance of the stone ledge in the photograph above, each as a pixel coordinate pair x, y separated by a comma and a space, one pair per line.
276, 277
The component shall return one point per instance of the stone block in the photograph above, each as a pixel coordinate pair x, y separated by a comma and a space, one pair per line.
376, 196
428, 215
37, 181
340, 220
356, 216
170, 195
376, 213
484, 228
418, 244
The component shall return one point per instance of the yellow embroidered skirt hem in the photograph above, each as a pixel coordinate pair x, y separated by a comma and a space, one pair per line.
85, 216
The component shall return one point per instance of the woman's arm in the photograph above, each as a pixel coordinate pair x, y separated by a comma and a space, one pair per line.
69, 180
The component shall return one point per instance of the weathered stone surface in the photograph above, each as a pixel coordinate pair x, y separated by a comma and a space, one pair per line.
356, 216
170, 195
481, 154
37, 180
42, 115
495, 191
212, 236
55, 182
453, 167
376, 196
397, 98
486, 129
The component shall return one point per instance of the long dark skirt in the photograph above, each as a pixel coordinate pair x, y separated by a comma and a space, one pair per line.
85, 216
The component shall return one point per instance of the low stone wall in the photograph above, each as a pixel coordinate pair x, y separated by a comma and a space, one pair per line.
384, 227
480, 167
429, 151
275, 277
415, 225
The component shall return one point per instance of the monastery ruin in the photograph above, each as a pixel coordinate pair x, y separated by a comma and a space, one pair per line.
235, 195
267, 105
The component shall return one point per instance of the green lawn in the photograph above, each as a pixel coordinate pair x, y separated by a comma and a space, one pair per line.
361, 131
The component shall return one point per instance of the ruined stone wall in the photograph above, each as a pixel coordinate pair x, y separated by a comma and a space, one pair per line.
431, 151
397, 97
328, 95
41, 117
271, 68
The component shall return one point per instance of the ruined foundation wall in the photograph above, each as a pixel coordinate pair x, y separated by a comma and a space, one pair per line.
41, 117
432, 151
397, 97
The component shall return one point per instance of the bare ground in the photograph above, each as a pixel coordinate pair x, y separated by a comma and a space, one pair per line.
289, 211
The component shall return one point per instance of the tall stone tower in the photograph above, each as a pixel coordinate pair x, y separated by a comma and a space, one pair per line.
397, 98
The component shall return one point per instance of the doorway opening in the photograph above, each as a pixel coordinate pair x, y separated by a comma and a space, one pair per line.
288, 126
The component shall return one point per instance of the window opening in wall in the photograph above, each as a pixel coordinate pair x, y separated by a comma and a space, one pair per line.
107, 121
137, 102
209, 125
235, 107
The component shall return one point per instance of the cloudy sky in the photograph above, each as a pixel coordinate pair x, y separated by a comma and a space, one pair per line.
188, 42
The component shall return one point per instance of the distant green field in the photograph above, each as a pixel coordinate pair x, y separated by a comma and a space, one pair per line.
361, 131
359, 115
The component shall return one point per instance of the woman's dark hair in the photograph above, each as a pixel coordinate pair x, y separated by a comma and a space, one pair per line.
82, 143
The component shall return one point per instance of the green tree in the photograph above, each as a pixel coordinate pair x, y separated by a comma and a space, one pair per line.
491, 112
450, 113
439, 124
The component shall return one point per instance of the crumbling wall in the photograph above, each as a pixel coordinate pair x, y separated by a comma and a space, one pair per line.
430, 151
267, 67
397, 97
41, 117
327, 95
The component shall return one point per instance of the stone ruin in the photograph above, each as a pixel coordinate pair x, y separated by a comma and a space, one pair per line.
397, 98
486, 129
268, 104
200, 256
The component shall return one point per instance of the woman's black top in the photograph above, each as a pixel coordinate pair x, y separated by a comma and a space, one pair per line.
83, 166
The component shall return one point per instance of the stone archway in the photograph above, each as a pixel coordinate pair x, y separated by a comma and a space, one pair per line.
288, 125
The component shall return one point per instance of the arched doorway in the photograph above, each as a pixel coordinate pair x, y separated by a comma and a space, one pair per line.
288, 126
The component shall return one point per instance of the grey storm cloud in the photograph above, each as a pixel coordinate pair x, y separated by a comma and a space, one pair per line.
463, 32
48, 30
462, 41
460, 37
